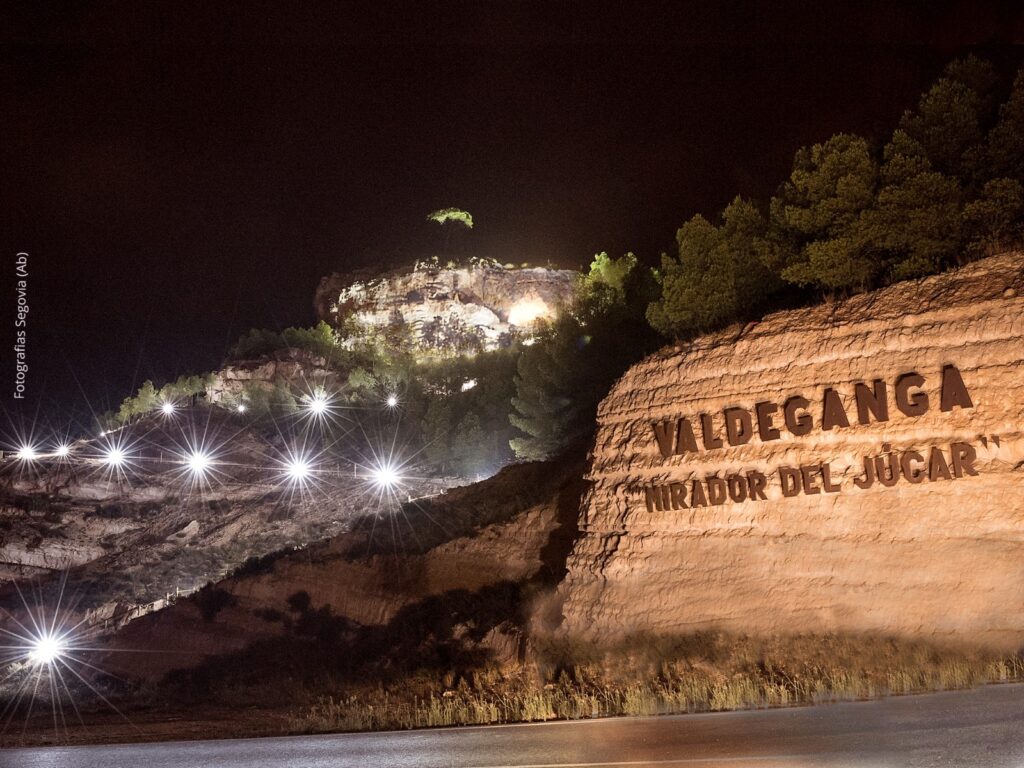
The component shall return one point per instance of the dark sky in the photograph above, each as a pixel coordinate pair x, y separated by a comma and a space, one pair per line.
180, 172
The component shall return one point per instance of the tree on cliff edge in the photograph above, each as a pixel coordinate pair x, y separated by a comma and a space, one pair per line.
951, 118
449, 219
718, 274
812, 239
913, 227
855, 214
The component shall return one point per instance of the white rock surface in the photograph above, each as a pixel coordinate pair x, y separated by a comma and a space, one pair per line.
448, 310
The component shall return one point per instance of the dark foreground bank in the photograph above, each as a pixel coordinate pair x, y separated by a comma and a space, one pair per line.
980, 727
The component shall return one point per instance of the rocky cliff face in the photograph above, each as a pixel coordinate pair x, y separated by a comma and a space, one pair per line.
447, 310
294, 369
731, 475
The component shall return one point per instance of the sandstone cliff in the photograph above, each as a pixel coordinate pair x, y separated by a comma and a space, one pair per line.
939, 553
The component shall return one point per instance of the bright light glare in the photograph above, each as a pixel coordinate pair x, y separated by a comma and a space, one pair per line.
317, 405
114, 457
27, 453
240, 407
526, 312
386, 476
298, 469
63, 450
46, 650
468, 385
392, 401
167, 408
198, 462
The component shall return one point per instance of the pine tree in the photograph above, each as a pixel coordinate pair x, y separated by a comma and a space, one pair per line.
544, 408
812, 241
952, 116
436, 430
1003, 154
718, 275
472, 453
914, 224
144, 401
994, 219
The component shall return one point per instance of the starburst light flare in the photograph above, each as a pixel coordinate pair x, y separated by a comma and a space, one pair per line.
317, 404
46, 649
198, 462
27, 453
114, 457
386, 476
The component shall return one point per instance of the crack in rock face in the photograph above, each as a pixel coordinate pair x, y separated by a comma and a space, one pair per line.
846, 467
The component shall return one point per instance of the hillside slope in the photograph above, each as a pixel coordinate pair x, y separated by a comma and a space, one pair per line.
512, 529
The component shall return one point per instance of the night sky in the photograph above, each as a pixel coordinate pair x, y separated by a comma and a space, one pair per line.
181, 172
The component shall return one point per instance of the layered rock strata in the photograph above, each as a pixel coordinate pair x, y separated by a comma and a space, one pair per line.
855, 466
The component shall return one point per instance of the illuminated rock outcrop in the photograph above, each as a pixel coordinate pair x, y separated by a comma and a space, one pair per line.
889, 502
451, 310
294, 369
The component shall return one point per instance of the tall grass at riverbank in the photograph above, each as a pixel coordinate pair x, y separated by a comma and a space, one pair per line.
653, 676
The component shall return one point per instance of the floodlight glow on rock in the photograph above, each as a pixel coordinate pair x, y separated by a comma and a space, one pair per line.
62, 450
392, 401
240, 408
527, 311
167, 408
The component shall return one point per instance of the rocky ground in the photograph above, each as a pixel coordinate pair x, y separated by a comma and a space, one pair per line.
125, 540
455, 576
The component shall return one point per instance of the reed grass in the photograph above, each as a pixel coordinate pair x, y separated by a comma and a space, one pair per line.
648, 676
